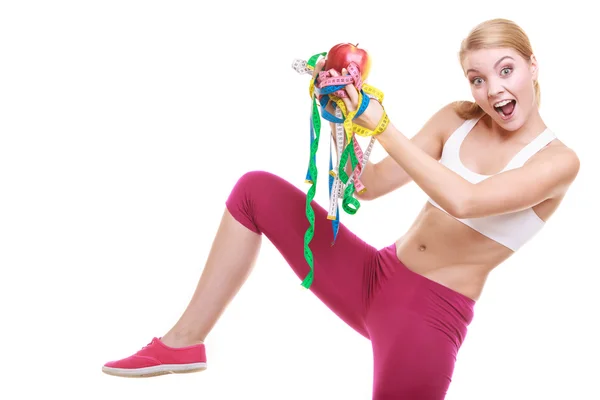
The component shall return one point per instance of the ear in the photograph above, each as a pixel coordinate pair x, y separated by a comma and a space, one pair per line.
533, 67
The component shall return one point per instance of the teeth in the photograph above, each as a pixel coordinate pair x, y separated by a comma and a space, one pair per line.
502, 103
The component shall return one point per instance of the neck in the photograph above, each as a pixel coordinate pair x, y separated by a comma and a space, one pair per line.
533, 126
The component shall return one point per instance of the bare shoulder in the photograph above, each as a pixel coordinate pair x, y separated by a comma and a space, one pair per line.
559, 161
450, 112
433, 134
448, 119
558, 153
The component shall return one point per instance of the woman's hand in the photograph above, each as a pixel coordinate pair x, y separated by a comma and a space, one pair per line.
371, 116
318, 67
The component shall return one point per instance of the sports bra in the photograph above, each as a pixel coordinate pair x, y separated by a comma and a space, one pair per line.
513, 229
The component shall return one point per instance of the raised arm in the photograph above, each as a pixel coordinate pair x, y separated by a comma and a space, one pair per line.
387, 175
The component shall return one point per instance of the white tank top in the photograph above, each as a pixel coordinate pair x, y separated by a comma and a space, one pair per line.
511, 229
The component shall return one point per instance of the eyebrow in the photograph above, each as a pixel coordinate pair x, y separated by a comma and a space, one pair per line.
495, 65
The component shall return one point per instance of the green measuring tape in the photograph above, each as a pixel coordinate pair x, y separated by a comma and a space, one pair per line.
333, 89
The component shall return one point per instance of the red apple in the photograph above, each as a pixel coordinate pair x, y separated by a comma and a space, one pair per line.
341, 55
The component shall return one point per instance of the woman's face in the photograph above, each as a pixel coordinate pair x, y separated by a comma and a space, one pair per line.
502, 84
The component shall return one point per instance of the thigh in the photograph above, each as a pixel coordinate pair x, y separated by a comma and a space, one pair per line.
417, 327
272, 206
412, 360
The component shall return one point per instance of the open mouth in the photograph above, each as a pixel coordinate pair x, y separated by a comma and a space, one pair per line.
506, 108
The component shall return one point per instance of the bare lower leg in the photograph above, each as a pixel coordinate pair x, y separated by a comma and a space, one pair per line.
231, 258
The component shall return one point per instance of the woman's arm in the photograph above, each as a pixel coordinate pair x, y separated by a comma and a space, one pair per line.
387, 175
443, 185
548, 174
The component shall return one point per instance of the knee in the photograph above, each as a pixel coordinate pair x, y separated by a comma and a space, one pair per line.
252, 193
255, 182
249, 181
245, 200
255, 178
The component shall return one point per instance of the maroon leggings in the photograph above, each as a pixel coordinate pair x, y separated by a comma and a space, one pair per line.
416, 326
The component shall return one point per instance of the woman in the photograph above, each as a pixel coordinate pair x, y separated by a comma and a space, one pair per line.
494, 173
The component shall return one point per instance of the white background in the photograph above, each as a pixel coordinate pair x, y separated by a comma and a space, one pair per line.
124, 125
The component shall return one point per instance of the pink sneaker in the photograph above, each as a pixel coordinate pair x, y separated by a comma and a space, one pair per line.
156, 358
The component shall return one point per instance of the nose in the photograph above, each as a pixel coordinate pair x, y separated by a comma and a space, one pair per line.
494, 88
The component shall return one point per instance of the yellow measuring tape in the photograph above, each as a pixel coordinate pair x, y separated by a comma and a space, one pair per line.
340, 184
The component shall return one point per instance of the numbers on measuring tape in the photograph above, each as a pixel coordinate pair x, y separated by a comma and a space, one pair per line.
342, 185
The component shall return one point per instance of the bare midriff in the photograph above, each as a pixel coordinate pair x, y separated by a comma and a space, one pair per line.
445, 250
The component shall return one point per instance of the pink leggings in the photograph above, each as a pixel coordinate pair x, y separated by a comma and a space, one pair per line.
416, 326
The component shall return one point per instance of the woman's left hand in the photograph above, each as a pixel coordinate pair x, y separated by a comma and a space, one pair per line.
371, 116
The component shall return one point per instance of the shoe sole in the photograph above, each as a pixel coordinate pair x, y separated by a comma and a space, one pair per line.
155, 371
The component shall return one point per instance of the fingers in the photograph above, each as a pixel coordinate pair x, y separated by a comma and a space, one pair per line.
351, 102
351, 90
347, 100
318, 67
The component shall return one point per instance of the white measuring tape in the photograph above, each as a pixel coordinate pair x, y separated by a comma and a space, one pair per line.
339, 138
329, 88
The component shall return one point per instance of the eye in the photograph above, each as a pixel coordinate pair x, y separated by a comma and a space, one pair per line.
476, 81
506, 71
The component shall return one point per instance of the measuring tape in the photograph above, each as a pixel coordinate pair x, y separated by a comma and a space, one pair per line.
341, 185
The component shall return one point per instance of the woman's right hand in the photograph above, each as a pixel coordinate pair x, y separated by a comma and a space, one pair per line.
318, 68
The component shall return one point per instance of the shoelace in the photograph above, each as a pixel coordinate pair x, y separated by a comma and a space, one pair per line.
148, 345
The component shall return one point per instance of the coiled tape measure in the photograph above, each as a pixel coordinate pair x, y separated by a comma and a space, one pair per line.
341, 186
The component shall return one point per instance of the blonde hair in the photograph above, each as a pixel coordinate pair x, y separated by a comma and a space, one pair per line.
494, 33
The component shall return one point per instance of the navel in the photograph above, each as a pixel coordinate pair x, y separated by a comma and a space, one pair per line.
422, 247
